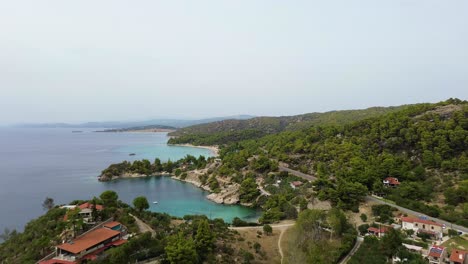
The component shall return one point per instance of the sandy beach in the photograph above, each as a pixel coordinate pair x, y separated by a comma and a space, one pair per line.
213, 149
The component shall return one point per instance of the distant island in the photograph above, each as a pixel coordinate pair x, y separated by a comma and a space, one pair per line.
149, 128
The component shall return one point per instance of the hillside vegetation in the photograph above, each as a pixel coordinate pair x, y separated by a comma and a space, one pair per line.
228, 131
424, 145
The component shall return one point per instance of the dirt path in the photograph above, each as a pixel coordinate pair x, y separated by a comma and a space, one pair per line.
143, 226
282, 227
280, 249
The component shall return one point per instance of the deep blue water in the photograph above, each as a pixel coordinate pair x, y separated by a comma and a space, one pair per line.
36, 163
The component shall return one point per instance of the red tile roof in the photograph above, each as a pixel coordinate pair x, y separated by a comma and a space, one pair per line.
89, 240
458, 255
90, 206
112, 224
392, 181
418, 220
296, 183
436, 251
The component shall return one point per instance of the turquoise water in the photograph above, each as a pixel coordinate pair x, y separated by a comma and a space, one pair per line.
39, 163
178, 198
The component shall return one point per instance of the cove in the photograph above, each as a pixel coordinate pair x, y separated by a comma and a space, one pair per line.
177, 198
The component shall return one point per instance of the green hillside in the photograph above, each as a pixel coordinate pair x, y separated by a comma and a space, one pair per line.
424, 145
228, 131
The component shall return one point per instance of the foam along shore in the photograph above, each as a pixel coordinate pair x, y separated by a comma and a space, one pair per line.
213, 149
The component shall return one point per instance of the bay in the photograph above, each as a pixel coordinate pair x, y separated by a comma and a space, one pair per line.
54, 162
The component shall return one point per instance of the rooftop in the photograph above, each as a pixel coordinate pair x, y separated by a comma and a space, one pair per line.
391, 180
458, 255
112, 224
88, 205
89, 240
418, 220
378, 230
436, 251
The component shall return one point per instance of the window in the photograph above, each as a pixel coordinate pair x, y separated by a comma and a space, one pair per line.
432, 227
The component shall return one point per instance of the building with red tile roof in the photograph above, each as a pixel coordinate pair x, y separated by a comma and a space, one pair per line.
295, 184
458, 256
391, 181
88, 205
437, 254
378, 231
89, 245
421, 225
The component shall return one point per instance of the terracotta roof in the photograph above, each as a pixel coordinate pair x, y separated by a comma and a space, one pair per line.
392, 180
436, 251
112, 224
378, 230
296, 183
90, 206
458, 255
418, 220
89, 240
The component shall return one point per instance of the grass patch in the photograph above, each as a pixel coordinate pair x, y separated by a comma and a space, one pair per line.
460, 242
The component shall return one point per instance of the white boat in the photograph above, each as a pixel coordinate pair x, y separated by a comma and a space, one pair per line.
155, 202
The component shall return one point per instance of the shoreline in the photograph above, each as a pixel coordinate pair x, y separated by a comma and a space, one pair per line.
213, 149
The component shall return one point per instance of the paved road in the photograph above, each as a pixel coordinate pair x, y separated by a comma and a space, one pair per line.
408, 211
259, 227
373, 199
358, 243
298, 173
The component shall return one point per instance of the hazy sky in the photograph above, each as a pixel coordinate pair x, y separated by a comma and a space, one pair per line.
76, 61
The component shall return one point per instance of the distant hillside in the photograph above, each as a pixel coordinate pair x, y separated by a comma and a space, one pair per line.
227, 131
177, 123
151, 128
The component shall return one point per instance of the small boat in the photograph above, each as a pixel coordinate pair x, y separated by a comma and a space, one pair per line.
132, 154
155, 202
77, 131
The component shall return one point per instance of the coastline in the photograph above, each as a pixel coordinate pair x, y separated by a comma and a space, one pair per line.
213, 149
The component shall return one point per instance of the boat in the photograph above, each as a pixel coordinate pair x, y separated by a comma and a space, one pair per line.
77, 131
132, 154
155, 202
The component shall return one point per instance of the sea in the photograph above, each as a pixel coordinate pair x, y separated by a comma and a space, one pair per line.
63, 164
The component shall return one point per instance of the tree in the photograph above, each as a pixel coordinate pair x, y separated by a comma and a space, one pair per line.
181, 250
363, 217
204, 239
141, 203
109, 198
48, 203
248, 190
267, 229
391, 242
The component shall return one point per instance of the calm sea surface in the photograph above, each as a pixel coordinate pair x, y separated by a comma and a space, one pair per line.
35, 163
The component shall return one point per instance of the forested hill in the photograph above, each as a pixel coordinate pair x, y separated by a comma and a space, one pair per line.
228, 131
425, 146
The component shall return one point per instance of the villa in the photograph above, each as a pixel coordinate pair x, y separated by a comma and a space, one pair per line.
89, 245
419, 225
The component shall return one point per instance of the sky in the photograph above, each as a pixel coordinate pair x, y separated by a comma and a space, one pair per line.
107, 60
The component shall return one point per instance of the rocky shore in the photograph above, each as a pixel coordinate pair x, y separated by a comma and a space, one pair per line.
228, 194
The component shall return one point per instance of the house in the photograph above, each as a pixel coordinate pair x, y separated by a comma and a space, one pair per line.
88, 246
437, 254
379, 232
86, 211
295, 184
420, 225
458, 256
391, 182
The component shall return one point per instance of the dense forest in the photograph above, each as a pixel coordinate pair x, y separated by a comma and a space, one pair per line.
424, 145
228, 131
